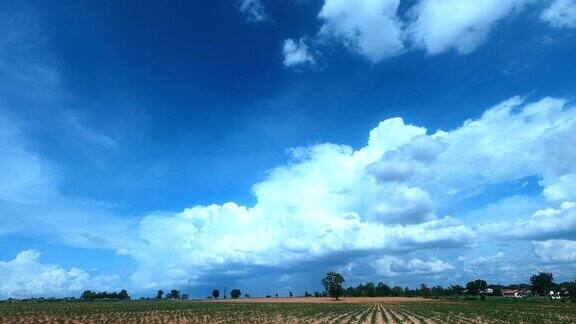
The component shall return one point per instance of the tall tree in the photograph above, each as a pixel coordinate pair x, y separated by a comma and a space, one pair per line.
215, 293
476, 286
332, 283
383, 289
235, 293
159, 294
455, 289
87, 295
397, 291
424, 290
542, 283
174, 294
123, 295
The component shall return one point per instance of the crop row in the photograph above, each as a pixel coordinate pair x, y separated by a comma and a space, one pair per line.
222, 312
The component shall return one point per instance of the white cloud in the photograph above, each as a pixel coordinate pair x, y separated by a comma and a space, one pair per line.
432, 266
561, 14
561, 187
509, 142
253, 10
26, 276
122, 252
542, 225
297, 53
488, 260
404, 205
368, 27
380, 29
332, 199
391, 266
441, 25
230, 236
556, 251
494, 266
329, 199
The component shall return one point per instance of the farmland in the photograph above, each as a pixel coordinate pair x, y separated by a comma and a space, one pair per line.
296, 310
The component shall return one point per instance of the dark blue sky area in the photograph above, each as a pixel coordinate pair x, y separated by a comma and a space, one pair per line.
208, 92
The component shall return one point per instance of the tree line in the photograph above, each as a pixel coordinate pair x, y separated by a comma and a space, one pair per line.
90, 295
234, 293
173, 294
540, 285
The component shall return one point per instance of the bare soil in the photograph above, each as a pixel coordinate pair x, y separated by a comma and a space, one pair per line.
324, 300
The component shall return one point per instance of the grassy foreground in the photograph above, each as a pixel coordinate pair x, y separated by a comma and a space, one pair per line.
368, 311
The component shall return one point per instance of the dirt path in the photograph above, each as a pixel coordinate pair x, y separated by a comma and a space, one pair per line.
381, 317
320, 300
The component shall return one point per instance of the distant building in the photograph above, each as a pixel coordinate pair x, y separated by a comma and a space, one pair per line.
510, 292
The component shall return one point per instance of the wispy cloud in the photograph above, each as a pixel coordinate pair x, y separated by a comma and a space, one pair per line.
31, 199
253, 10
561, 14
297, 53
86, 133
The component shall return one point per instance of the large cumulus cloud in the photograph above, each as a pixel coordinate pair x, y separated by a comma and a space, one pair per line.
382, 206
385, 197
334, 205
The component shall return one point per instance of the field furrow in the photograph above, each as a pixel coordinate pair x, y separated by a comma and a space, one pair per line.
386, 315
317, 311
359, 317
345, 317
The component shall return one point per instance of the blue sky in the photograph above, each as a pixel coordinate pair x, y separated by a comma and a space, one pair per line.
259, 144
